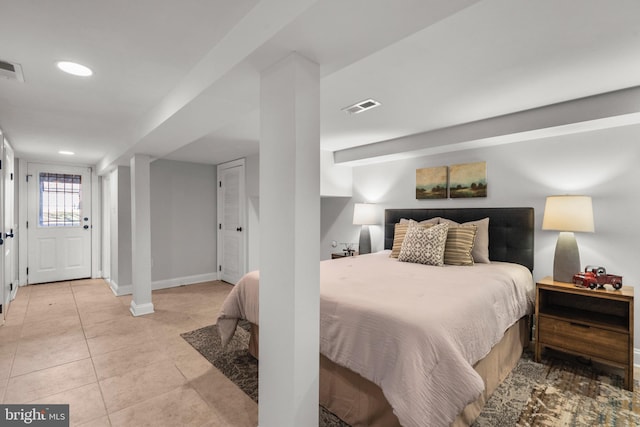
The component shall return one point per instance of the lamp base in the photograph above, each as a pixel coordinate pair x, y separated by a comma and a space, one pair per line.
566, 261
364, 246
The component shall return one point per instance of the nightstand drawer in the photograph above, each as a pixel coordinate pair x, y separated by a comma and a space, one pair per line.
588, 340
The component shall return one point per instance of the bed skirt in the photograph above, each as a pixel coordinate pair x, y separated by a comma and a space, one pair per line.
361, 403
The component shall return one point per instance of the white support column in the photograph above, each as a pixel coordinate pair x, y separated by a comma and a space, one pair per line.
141, 235
289, 249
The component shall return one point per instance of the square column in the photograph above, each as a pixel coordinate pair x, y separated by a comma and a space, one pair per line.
289, 249
141, 235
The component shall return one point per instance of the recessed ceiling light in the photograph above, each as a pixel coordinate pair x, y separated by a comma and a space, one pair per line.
66, 153
74, 68
361, 106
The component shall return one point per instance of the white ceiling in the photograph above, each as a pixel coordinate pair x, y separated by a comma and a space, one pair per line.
180, 80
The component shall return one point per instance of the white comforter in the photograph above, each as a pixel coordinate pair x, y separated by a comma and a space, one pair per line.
414, 330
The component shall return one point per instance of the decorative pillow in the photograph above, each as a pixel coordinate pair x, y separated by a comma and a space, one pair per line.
459, 245
480, 251
424, 245
399, 232
433, 221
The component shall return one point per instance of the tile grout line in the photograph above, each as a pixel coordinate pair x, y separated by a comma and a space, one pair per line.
44, 368
19, 340
93, 365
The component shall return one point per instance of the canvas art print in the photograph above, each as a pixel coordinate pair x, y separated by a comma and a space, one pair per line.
431, 183
468, 180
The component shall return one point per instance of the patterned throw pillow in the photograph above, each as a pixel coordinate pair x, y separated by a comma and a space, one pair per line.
460, 239
400, 230
424, 245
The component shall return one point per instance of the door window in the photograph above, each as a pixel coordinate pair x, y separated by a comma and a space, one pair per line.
59, 200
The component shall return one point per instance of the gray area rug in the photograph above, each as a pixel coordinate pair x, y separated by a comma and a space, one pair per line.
559, 392
238, 365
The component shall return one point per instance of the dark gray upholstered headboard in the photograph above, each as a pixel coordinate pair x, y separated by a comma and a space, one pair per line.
510, 229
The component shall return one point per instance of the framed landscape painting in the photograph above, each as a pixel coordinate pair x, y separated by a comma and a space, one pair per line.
468, 180
431, 183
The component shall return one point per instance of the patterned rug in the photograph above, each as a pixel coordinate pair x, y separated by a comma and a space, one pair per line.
238, 365
562, 391
559, 392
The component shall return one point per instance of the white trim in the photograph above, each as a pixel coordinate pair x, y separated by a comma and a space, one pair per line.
180, 281
141, 309
96, 224
14, 292
105, 247
23, 255
119, 290
636, 357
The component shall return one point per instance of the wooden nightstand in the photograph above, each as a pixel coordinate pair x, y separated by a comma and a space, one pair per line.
336, 255
597, 324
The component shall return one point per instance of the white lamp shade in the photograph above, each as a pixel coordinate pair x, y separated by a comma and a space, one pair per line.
365, 214
568, 213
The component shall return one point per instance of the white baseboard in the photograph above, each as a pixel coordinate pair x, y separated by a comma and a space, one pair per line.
141, 309
187, 280
119, 290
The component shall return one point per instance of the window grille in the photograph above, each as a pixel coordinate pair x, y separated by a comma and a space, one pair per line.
59, 200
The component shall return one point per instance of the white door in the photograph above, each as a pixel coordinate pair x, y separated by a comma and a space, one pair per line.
231, 221
8, 226
59, 223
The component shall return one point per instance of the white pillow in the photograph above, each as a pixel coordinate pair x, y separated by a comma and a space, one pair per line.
480, 251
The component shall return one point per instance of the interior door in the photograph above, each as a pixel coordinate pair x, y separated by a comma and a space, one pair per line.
231, 221
4, 295
59, 223
9, 225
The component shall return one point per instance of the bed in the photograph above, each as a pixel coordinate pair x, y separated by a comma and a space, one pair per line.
409, 344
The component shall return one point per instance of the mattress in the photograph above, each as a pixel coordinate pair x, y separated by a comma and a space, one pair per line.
415, 331
361, 403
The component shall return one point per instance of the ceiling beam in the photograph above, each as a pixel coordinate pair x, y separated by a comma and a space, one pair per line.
262, 22
607, 110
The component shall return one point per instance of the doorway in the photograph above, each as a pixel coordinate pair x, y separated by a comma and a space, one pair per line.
7, 227
231, 221
58, 223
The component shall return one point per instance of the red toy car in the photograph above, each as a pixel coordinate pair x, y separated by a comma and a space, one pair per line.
597, 277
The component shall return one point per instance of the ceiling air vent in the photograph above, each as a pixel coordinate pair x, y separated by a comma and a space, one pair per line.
11, 71
361, 106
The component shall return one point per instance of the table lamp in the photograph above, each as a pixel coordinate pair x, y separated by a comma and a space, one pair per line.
364, 214
567, 214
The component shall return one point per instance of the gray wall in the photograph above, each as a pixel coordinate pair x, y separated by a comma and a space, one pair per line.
122, 259
602, 164
183, 219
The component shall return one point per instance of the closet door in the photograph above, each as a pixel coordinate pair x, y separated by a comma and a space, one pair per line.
231, 221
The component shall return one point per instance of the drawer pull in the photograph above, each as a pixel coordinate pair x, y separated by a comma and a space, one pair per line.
580, 325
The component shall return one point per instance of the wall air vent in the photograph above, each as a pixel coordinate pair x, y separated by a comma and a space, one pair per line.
361, 106
11, 71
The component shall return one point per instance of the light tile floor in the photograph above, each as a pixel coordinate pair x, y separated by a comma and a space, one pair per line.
76, 343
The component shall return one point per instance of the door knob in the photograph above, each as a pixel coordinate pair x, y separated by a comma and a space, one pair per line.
239, 229
8, 235
85, 227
